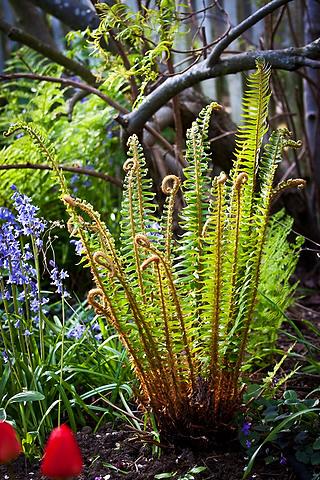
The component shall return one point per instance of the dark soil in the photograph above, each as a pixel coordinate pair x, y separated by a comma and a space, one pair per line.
119, 452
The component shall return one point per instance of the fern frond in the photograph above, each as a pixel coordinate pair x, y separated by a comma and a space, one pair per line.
286, 184
47, 151
212, 274
195, 189
250, 135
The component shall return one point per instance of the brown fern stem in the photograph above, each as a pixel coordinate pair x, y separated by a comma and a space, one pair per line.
144, 242
172, 360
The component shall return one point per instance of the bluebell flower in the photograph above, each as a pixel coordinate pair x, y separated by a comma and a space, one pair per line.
155, 230
78, 246
57, 279
283, 460
6, 295
27, 333
5, 356
7, 215
246, 428
76, 332
248, 443
27, 255
27, 215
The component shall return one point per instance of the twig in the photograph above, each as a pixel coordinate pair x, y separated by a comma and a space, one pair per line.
225, 134
237, 31
285, 59
66, 82
79, 170
77, 97
126, 63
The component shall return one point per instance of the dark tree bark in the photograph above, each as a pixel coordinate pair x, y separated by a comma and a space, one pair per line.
32, 20
312, 94
77, 14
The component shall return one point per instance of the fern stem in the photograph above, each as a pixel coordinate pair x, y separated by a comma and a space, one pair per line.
144, 242
218, 279
236, 204
132, 221
172, 192
172, 360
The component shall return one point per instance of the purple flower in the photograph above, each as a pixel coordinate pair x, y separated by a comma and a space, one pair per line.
78, 246
283, 460
248, 443
27, 215
5, 356
76, 332
7, 215
57, 279
246, 428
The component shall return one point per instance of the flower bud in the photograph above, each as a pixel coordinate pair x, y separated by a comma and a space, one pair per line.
10, 447
62, 457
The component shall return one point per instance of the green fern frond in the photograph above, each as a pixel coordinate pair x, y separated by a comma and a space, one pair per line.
39, 141
250, 135
189, 310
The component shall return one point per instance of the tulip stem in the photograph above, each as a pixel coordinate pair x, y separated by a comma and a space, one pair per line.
61, 358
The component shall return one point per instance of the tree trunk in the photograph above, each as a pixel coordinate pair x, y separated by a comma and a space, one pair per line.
32, 20
312, 97
77, 14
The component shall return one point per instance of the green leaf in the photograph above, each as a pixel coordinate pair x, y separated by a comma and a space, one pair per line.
196, 470
28, 396
164, 475
302, 456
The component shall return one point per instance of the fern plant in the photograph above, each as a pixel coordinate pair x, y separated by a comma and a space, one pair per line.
185, 308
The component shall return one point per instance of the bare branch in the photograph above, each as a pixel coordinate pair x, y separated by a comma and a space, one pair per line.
285, 59
237, 31
90, 89
78, 170
48, 51
66, 82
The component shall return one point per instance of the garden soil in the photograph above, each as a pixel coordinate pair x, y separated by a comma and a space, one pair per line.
116, 453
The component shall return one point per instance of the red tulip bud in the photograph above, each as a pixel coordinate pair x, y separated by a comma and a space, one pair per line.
10, 447
62, 457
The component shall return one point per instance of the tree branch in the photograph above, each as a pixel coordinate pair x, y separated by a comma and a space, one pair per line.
78, 170
66, 82
90, 89
285, 59
48, 51
237, 31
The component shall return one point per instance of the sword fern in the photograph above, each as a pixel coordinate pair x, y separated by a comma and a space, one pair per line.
184, 308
